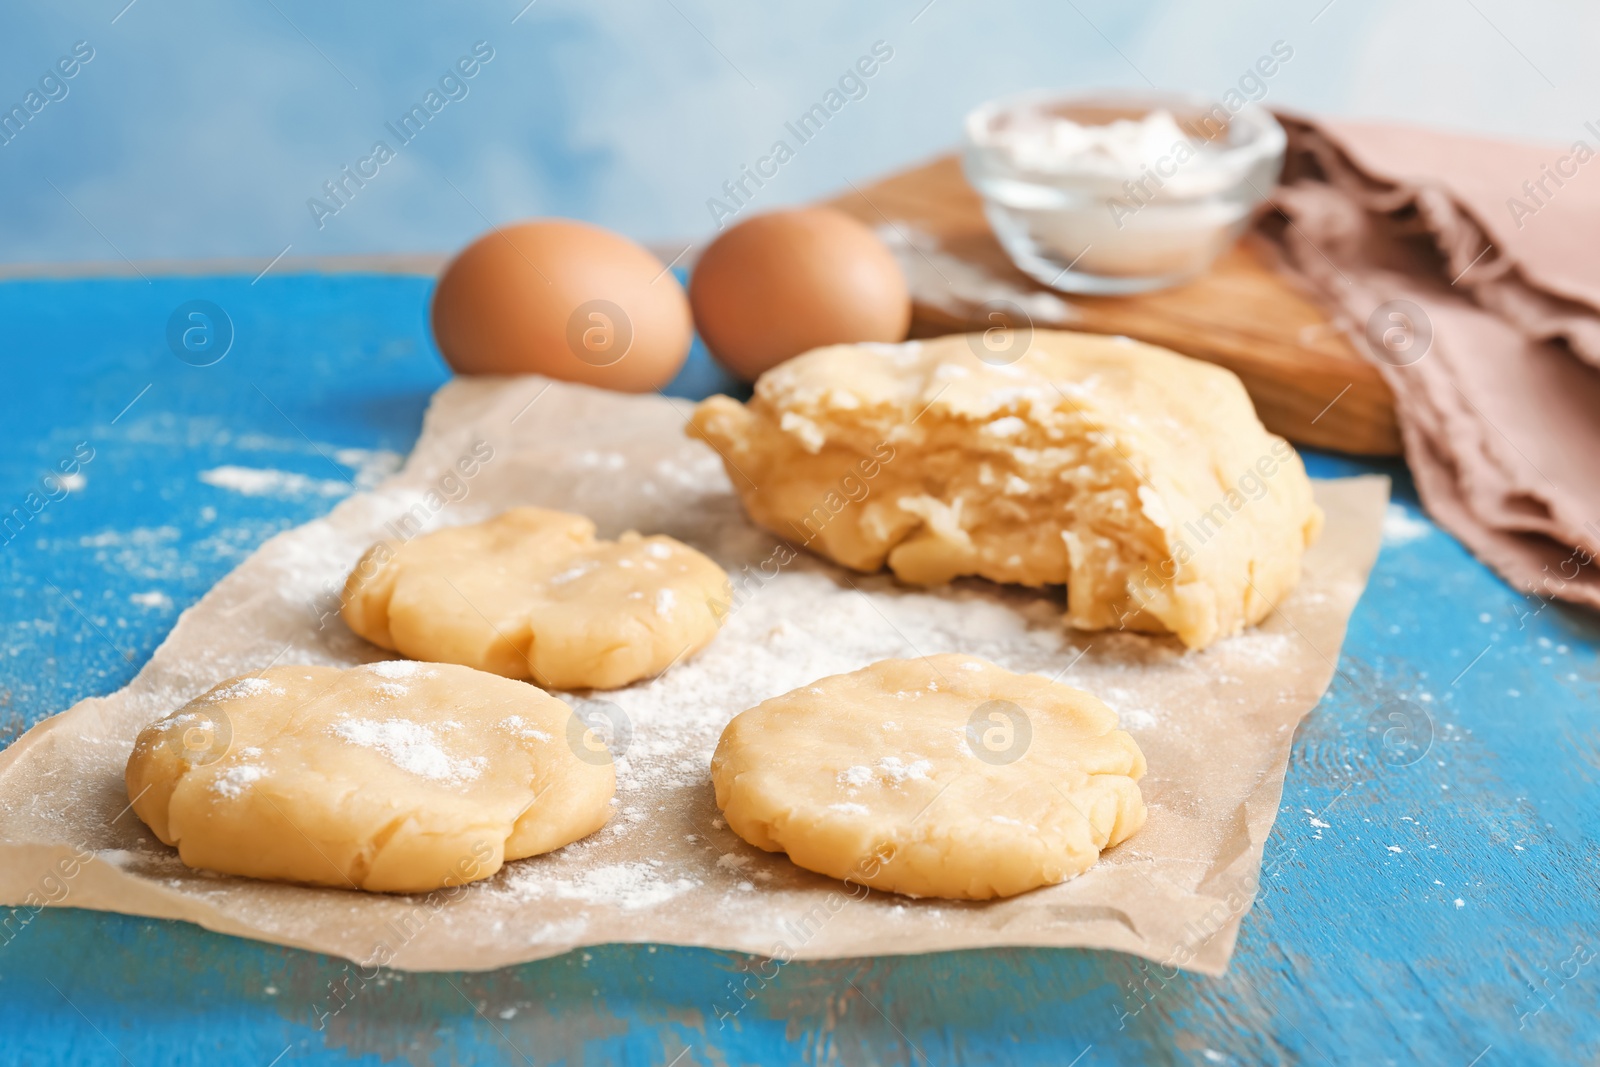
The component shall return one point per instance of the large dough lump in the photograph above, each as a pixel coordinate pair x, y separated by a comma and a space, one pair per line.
532, 594
1139, 478
945, 776
395, 777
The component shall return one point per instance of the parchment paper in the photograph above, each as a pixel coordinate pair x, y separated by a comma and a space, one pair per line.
1215, 726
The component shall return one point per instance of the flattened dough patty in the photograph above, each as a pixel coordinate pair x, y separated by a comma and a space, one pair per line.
940, 777
395, 777
1139, 478
532, 594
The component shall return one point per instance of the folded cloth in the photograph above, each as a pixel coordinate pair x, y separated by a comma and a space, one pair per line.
1468, 269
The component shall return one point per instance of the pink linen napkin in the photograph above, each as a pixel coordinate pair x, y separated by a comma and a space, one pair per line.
1470, 270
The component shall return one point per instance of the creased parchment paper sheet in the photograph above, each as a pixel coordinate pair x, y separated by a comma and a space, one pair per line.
1216, 726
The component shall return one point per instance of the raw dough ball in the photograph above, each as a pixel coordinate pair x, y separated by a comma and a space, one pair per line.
1139, 478
532, 594
942, 777
395, 777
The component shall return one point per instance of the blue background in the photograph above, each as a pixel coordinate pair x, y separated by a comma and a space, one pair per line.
1449, 951
201, 129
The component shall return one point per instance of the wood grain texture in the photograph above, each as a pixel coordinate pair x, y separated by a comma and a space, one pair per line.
1308, 381
1418, 913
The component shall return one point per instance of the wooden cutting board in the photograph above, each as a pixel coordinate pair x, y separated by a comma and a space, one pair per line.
1308, 381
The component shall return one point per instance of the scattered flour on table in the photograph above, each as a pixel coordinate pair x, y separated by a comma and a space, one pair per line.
371, 465
629, 886
1125, 703
151, 553
143, 535
1257, 648
266, 481
1401, 527
595, 460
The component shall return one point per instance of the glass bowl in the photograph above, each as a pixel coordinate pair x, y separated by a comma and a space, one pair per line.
1103, 193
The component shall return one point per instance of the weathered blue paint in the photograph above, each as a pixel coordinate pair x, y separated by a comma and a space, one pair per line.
1355, 952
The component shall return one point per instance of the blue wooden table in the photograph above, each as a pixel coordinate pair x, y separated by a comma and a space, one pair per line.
1440, 910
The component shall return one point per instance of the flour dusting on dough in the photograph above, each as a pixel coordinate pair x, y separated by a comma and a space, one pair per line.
400, 668
246, 687
410, 746
232, 782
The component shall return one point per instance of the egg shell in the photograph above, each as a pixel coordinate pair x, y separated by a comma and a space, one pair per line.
784, 283
564, 299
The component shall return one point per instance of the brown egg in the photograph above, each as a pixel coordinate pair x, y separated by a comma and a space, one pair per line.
781, 284
564, 299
